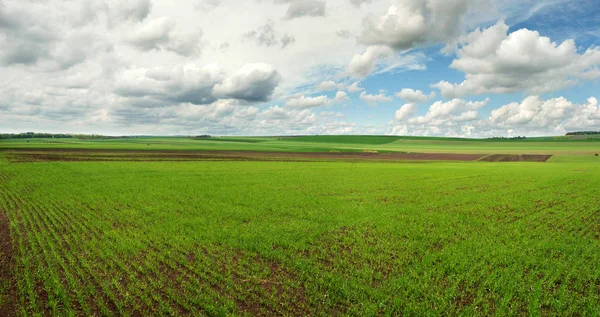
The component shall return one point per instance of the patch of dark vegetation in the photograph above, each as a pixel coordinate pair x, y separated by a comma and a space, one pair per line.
515, 158
258, 286
583, 133
367, 250
33, 135
508, 138
8, 286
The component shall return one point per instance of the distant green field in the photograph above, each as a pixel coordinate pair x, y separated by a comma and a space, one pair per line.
345, 139
548, 145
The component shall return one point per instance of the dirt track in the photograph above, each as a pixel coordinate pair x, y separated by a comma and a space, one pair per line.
43, 155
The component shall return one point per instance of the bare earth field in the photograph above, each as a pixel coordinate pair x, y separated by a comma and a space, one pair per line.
515, 158
48, 155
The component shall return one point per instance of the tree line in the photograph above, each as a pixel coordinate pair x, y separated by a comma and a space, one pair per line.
33, 135
583, 133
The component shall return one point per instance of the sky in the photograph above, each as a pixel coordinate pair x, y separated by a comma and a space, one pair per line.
460, 68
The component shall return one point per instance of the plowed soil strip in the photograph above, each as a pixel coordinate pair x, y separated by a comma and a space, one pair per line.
7, 264
515, 158
45, 155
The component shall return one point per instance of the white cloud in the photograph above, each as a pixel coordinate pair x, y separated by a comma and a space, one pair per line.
355, 87
330, 85
207, 5
264, 34
358, 3
405, 111
343, 33
161, 34
331, 114
374, 99
414, 96
532, 117
497, 62
410, 23
534, 113
341, 96
585, 117
286, 40
304, 102
305, 8
450, 112
135, 10
253, 82
197, 85
364, 64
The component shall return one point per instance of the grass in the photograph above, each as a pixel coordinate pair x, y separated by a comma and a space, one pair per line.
302, 238
546, 145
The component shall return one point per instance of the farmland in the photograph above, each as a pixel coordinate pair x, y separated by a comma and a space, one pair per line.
177, 226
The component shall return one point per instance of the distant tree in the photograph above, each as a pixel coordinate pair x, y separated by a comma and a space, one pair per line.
583, 133
33, 135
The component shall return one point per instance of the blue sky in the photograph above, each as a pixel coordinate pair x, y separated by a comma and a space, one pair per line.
278, 67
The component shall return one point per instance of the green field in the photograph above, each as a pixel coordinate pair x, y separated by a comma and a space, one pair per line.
569, 146
302, 238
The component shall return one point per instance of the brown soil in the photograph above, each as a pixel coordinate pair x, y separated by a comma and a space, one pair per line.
515, 158
7, 264
45, 155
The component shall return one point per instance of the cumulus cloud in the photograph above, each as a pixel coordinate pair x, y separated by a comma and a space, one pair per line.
364, 64
355, 87
358, 3
207, 5
26, 39
330, 85
374, 99
450, 112
410, 23
64, 38
414, 96
343, 33
497, 62
585, 117
135, 10
405, 111
331, 114
253, 82
305, 8
341, 96
196, 85
264, 35
455, 118
304, 102
286, 40
161, 34
226, 117
532, 116
534, 113
223, 47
